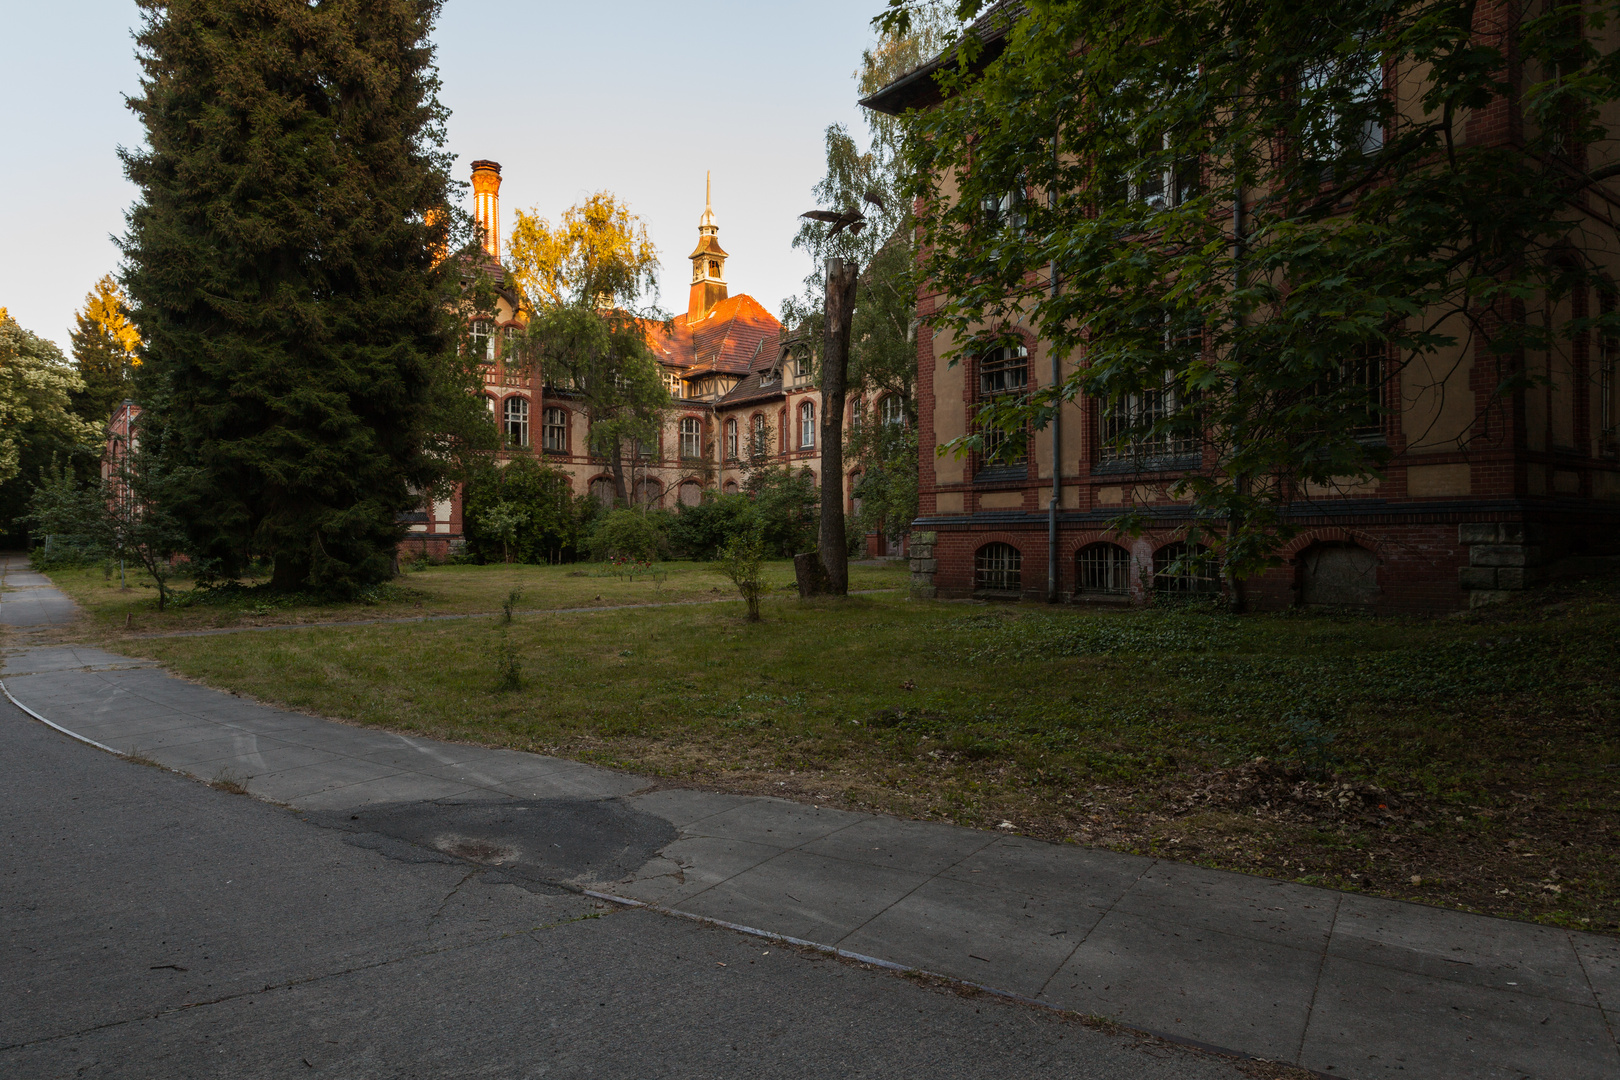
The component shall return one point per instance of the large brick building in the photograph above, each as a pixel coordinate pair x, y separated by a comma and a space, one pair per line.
1482, 496
737, 393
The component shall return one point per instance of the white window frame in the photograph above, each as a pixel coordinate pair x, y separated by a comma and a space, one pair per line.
807, 425
515, 420
691, 437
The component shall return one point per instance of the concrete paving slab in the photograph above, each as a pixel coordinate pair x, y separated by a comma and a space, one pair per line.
1600, 961
1371, 1021
1192, 982
1456, 946
266, 759
684, 807
1175, 894
1055, 870
1012, 941
399, 787
804, 896
293, 785
901, 845
776, 821
694, 864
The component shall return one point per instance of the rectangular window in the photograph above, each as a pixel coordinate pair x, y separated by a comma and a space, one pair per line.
672, 382
731, 440
1139, 413
481, 342
691, 437
807, 426
517, 421
556, 431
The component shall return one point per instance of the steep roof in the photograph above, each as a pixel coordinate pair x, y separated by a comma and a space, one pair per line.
729, 339
917, 89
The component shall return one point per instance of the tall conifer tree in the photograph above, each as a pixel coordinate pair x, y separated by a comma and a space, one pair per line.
104, 346
283, 268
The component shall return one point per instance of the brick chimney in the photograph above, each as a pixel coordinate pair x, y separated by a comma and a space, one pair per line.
486, 182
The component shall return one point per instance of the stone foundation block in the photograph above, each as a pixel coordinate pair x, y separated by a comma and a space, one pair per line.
1477, 577
1519, 577
1504, 555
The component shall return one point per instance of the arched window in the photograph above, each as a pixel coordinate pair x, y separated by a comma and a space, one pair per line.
807, 426
731, 440
892, 410
602, 490
1103, 570
731, 487
489, 403
649, 491
999, 568
1180, 568
1003, 374
761, 436
857, 407
517, 421
691, 437
691, 493
556, 430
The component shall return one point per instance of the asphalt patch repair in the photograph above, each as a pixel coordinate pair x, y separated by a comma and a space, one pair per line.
538, 841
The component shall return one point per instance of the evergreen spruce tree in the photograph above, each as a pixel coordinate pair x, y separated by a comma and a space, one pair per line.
284, 270
104, 342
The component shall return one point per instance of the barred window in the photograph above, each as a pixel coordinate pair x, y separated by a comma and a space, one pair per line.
1180, 568
556, 430
691, 437
998, 567
1103, 570
517, 421
1140, 413
1361, 381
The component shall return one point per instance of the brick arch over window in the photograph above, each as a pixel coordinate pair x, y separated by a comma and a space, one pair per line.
998, 567
601, 489
1103, 569
1333, 535
690, 491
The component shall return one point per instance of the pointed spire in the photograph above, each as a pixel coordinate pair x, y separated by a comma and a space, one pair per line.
706, 223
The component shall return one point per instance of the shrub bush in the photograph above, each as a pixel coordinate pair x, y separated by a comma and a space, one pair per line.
627, 534
525, 511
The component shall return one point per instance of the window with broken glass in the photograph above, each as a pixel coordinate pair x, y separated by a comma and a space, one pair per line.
1003, 378
1139, 429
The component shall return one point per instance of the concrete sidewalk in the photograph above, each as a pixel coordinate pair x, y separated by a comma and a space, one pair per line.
1340, 983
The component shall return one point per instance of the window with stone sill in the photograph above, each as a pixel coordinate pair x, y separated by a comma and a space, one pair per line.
556, 430
516, 428
691, 437
1003, 375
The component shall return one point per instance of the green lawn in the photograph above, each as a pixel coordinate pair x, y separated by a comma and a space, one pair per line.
1468, 760
436, 590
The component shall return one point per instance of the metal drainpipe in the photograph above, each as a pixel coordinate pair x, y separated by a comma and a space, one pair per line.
1057, 421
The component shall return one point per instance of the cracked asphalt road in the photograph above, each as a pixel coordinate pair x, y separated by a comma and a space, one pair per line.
155, 927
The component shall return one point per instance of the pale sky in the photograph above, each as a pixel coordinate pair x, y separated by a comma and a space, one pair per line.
635, 97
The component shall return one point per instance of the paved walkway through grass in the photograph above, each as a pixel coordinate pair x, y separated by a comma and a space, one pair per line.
1336, 982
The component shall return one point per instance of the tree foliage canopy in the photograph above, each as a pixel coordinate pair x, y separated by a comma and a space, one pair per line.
590, 286
1375, 241
39, 428
105, 344
284, 264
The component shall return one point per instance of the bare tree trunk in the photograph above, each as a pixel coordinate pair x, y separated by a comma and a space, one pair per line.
841, 278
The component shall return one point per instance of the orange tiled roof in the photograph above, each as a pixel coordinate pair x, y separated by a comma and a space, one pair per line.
735, 336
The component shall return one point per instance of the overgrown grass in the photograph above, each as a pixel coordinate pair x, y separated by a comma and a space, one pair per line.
436, 590
1468, 760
